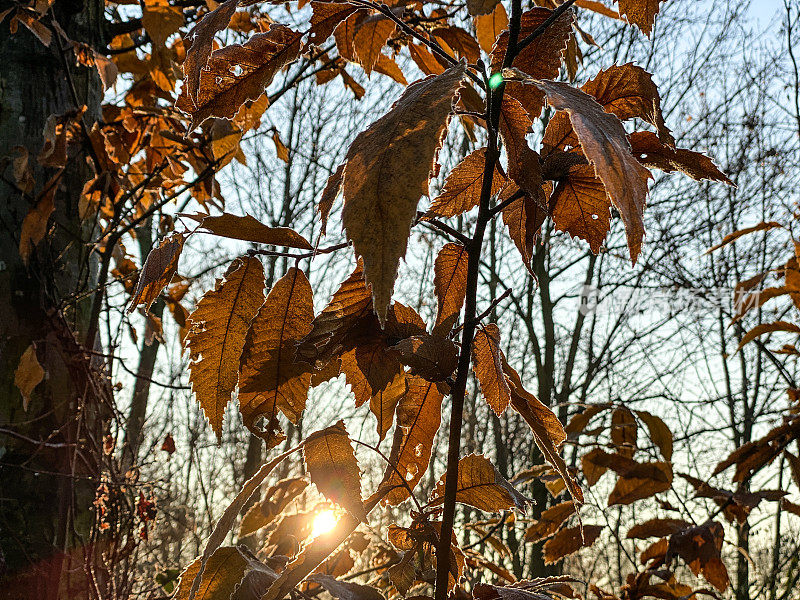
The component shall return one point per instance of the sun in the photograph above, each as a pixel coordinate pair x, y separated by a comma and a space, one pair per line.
324, 522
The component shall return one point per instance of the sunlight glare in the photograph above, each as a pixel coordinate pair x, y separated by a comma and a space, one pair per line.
324, 521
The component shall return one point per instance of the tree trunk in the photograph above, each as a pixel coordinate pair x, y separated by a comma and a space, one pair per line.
48, 463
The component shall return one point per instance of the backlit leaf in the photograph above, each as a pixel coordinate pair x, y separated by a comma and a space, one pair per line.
549, 521
523, 218
217, 330
224, 570
581, 206
481, 485
329, 460
649, 151
270, 378
28, 374
660, 434
240, 72
370, 36
250, 229
481, 7
657, 528
34, 225
641, 13
450, 285
487, 362
276, 498
325, 18
641, 481
570, 540
379, 207
462, 187
623, 431
432, 357
700, 547
488, 26
346, 590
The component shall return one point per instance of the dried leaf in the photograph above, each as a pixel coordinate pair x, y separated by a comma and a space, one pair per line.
326, 17
346, 590
524, 218
379, 207
419, 416
549, 521
159, 267
375, 375
250, 229
481, 485
649, 151
570, 540
223, 572
329, 194
270, 378
217, 330
28, 375
481, 7
276, 498
370, 36
623, 431
641, 481
659, 432
34, 225
161, 20
657, 528
641, 13
332, 465
432, 357
450, 285
581, 206
700, 547
462, 187
490, 25
487, 363
240, 72
605, 144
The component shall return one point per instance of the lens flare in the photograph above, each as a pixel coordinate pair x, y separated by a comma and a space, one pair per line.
324, 522
495, 80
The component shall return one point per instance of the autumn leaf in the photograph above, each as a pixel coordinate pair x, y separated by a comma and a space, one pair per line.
223, 572
657, 528
200, 43
370, 36
641, 13
161, 20
270, 379
432, 357
457, 42
481, 485
524, 218
489, 25
570, 540
419, 416
325, 17
333, 468
379, 208
605, 144
462, 187
548, 433
481, 7
487, 363
250, 229
623, 431
332, 188
28, 374
159, 267
346, 590
700, 547
541, 59
660, 434
276, 498
651, 152
581, 206
240, 72
549, 521
34, 225
450, 285
640, 481
217, 332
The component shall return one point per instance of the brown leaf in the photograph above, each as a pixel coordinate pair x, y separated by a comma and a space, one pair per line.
432, 357
224, 570
660, 434
580, 420
240, 72
386, 65
581, 206
570, 540
200, 42
524, 218
28, 375
217, 331
490, 25
333, 468
450, 285
458, 43
379, 208
462, 187
649, 151
481, 485
623, 431
481, 7
332, 188
641, 481
641, 13
523, 163
159, 267
276, 499
794, 467
487, 363
326, 17
161, 20
346, 590
419, 416
549, 521
250, 229
657, 528
370, 36
700, 547
606, 145
541, 59
548, 433
270, 378
34, 225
